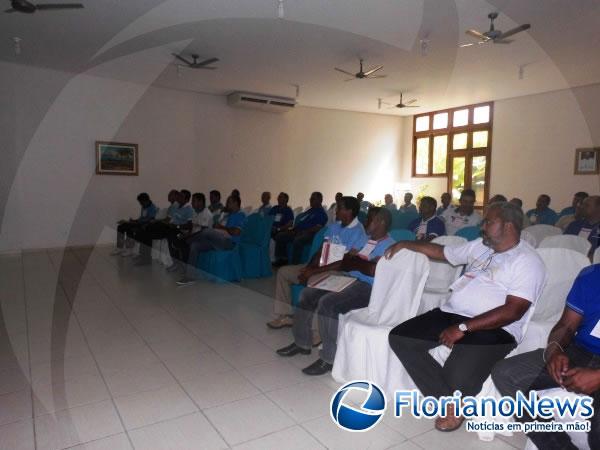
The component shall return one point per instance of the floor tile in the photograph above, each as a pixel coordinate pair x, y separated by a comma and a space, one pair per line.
12, 380
15, 406
76, 426
273, 375
294, 438
149, 407
248, 419
126, 357
184, 347
17, 436
303, 402
185, 433
217, 389
204, 364
458, 439
138, 379
67, 369
116, 442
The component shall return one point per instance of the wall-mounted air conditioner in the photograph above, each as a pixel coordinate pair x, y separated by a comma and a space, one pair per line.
262, 102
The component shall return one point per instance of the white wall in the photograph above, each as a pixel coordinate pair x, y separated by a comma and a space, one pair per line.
50, 196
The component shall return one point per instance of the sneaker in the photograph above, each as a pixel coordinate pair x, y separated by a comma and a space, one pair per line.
280, 322
116, 252
186, 281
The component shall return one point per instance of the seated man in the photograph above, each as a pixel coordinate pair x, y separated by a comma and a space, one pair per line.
564, 221
338, 197
484, 317
306, 226
364, 205
463, 216
570, 360
517, 201
588, 227
220, 237
408, 206
446, 198
187, 196
542, 214
389, 202
578, 198
265, 207
330, 304
179, 245
497, 198
131, 227
178, 218
215, 206
283, 216
348, 232
429, 226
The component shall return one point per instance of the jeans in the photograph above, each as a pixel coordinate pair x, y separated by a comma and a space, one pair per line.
470, 361
152, 231
528, 372
205, 241
328, 306
298, 239
128, 229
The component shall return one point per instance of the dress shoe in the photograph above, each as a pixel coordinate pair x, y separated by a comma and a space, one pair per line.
292, 350
319, 367
280, 322
449, 423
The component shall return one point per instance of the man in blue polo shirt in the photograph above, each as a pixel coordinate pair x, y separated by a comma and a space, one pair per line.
283, 216
571, 360
131, 227
347, 232
328, 305
220, 237
542, 214
588, 227
578, 198
305, 227
428, 226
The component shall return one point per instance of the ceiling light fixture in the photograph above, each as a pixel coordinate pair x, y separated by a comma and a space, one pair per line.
17, 43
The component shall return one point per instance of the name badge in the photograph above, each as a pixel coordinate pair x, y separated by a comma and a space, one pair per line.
462, 282
596, 331
366, 251
585, 233
278, 217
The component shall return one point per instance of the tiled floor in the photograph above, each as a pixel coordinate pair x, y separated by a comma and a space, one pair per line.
98, 354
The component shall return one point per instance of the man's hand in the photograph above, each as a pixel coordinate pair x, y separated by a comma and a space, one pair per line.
305, 274
451, 335
558, 365
393, 249
218, 226
582, 380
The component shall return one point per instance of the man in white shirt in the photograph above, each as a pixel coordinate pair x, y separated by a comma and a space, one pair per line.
463, 216
484, 318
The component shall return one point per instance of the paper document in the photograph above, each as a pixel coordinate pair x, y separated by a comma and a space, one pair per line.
331, 253
333, 283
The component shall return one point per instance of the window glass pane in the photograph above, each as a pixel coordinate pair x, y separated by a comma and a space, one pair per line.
481, 114
460, 118
480, 139
422, 123
459, 141
422, 163
440, 153
478, 179
440, 121
458, 176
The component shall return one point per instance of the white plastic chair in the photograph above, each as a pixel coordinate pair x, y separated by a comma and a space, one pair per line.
596, 257
247, 210
529, 238
539, 232
363, 351
572, 242
441, 276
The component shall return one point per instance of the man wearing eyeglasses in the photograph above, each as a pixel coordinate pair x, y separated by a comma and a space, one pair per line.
484, 318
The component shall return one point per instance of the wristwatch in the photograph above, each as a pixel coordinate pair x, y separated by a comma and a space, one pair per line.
463, 327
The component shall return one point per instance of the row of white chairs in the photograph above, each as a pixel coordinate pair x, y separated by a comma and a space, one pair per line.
409, 284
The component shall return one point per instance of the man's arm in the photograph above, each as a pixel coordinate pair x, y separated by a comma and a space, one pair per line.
559, 338
511, 311
433, 251
353, 262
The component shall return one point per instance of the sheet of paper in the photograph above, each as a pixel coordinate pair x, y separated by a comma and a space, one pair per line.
333, 283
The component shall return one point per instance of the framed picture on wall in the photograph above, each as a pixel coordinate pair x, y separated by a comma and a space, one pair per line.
587, 161
116, 158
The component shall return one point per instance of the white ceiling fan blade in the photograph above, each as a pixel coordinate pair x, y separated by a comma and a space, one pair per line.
344, 71
375, 76
478, 35
516, 30
375, 69
410, 102
466, 45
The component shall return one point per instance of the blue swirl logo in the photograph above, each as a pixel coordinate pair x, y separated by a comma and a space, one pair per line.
358, 418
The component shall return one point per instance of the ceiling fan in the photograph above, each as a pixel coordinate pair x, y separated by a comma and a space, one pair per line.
195, 64
24, 6
361, 74
493, 35
408, 104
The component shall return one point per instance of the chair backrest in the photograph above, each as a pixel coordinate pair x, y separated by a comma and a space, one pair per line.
398, 287
540, 231
402, 235
569, 241
469, 233
529, 238
298, 210
253, 230
362, 216
402, 220
562, 267
596, 257
443, 274
317, 242
247, 210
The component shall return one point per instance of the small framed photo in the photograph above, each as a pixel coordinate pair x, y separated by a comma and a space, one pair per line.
587, 161
116, 158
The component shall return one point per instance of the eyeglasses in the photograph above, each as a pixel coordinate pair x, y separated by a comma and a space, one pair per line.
480, 264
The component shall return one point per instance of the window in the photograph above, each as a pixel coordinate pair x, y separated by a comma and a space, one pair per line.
455, 144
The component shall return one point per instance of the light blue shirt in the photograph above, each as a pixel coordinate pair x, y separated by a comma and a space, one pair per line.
171, 209
351, 236
236, 220
377, 252
182, 215
148, 213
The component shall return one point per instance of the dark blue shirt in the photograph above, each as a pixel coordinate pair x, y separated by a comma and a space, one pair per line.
434, 227
546, 217
583, 299
567, 211
282, 214
584, 227
310, 218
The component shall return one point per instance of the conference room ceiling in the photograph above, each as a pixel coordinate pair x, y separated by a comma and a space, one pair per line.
259, 52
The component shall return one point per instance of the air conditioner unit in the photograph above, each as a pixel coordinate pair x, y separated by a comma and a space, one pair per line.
262, 102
